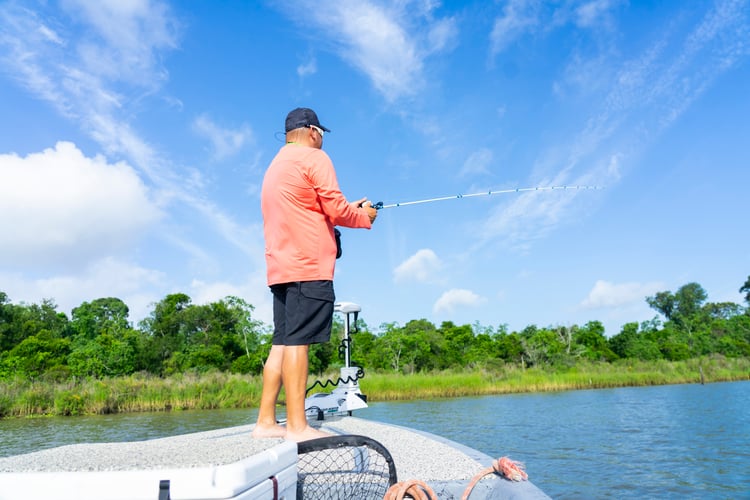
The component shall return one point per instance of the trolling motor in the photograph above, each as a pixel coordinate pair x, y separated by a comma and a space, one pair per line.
347, 396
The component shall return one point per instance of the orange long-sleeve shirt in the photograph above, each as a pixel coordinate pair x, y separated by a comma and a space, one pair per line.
301, 203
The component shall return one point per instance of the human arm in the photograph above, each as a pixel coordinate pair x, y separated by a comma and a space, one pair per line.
332, 202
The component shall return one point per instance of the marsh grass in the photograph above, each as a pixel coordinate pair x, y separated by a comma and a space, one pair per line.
146, 393
389, 386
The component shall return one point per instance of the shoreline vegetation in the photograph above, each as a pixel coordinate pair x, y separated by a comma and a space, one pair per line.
185, 356
21, 397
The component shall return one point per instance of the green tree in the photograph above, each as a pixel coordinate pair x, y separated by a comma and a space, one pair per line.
458, 342
541, 346
427, 345
594, 344
402, 348
35, 355
684, 307
108, 355
507, 346
687, 321
104, 315
8, 329
634, 342
746, 290
482, 349
248, 332
165, 330
33, 339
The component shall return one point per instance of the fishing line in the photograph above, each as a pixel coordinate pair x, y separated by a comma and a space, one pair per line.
379, 205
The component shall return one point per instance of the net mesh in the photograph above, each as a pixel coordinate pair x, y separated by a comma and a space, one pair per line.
344, 467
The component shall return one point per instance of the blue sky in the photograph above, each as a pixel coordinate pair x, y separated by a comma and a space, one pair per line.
136, 134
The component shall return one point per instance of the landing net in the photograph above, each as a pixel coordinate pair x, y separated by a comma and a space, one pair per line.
344, 467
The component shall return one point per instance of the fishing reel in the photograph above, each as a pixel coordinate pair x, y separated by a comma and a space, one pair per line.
376, 206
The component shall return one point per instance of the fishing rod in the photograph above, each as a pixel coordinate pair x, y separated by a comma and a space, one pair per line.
379, 205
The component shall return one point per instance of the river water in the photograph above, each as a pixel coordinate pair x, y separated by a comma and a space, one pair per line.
678, 441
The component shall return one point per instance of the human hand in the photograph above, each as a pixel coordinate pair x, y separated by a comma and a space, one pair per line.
359, 203
372, 213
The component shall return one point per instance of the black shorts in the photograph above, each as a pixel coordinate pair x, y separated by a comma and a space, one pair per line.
302, 312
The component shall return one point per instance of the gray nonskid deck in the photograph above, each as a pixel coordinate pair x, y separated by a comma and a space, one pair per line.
202, 449
445, 465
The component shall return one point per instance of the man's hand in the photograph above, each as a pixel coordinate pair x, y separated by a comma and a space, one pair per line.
372, 213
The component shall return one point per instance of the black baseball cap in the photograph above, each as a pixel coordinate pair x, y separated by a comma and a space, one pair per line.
302, 117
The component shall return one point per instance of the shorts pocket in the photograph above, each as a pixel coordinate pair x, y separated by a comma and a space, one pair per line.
318, 290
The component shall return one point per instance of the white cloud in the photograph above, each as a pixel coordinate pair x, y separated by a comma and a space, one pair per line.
522, 17
253, 290
60, 206
518, 17
386, 43
225, 142
375, 43
528, 216
82, 74
442, 35
423, 267
125, 38
612, 295
478, 162
593, 13
613, 168
136, 286
456, 298
308, 68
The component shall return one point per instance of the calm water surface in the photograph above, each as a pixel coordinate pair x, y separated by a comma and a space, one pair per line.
683, 441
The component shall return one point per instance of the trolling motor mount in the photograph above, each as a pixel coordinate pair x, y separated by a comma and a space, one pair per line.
347, 396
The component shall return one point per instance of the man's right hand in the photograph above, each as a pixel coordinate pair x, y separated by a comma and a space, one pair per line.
371, 212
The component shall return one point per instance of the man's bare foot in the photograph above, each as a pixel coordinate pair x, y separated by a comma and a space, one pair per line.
268, 431
305, 434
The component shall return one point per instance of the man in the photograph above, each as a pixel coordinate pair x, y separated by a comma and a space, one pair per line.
301, 203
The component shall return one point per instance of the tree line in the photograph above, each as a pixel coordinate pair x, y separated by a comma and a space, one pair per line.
98, 340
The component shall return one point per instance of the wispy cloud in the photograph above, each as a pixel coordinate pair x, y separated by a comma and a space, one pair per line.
309, 67
520, 18
125, 39
104, 277
478, 162
95, 63
90, 76
93, 76
645, 95
531, 215
224, 142
385, 41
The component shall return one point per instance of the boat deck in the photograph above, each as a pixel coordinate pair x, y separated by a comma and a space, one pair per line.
444, 465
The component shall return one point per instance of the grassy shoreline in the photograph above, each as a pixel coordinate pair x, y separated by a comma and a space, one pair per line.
144, 393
